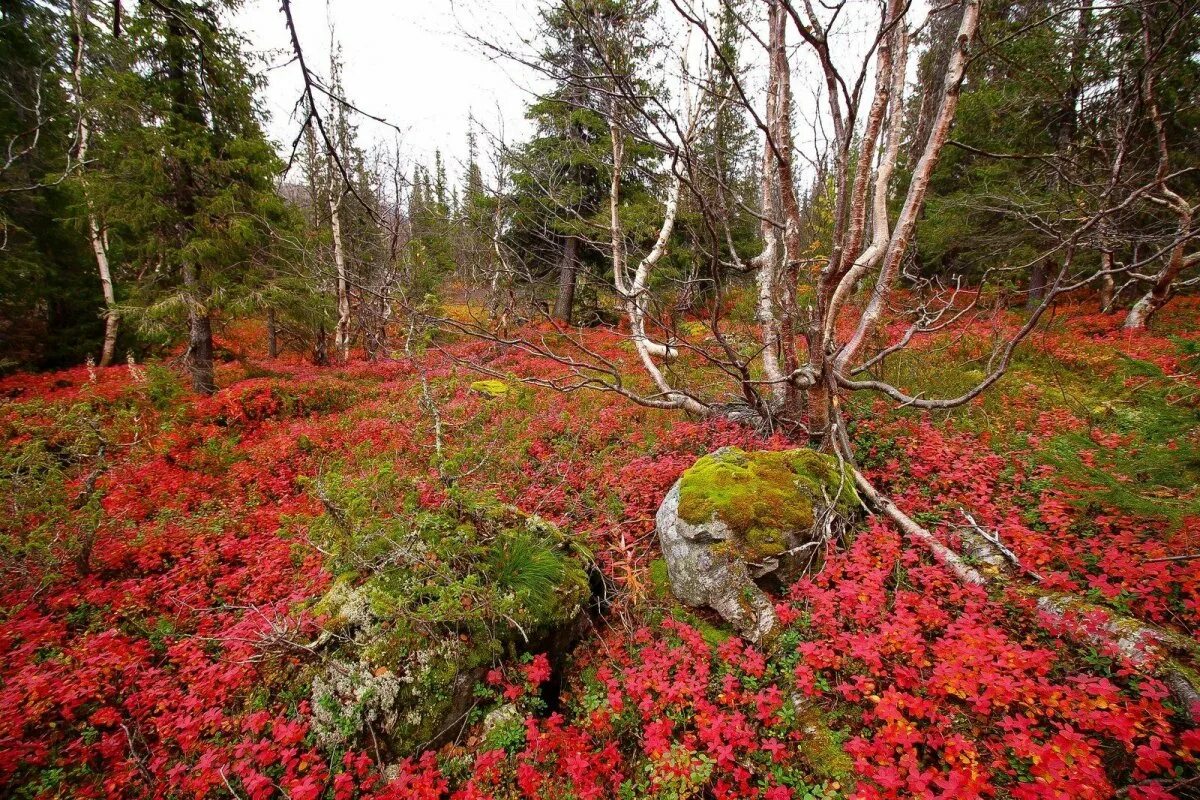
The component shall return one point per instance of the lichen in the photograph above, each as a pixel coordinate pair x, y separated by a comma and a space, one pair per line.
490, 387
764, 497
425, 603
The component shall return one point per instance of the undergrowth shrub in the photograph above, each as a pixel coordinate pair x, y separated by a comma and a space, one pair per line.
53, 458
261, 399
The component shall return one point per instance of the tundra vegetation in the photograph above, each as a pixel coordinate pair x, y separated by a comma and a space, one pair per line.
806, 408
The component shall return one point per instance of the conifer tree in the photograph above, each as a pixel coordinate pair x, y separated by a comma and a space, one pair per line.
189, 181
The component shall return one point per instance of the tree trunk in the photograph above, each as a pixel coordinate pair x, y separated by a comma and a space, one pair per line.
185, 106
111, 317
1108, 289
272, 335
1037, 286
789, 273
1148, 649
321, 347
1108, 286
79, 13
1164, 282
567, 278
200, 343
819, 399
342, 332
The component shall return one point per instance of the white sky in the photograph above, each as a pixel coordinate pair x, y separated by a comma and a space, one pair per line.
413, 63
408, 61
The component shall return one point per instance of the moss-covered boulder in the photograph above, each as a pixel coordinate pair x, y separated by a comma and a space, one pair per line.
736, 516
424, 605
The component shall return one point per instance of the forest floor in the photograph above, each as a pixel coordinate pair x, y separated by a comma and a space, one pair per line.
148, 594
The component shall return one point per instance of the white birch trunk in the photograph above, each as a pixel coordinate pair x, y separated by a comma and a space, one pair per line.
906, 220
632, 289
95, 233
342, 333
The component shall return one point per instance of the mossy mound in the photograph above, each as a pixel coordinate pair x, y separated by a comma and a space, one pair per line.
765, 498
820, 748
425, 603
490, 388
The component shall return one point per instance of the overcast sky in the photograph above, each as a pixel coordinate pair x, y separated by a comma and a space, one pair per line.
409, 61
414, 63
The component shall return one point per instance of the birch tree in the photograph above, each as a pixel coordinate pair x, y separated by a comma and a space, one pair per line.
830, 275
80, 26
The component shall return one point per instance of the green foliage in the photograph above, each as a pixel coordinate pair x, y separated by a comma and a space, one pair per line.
184, 175
561, 178
46, 451
162, 386
1154, 468
508, 732
49, 291
1038, 119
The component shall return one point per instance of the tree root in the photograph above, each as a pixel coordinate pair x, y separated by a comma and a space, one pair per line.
1165, 654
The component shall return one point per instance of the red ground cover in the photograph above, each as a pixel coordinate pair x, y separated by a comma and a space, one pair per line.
163, 671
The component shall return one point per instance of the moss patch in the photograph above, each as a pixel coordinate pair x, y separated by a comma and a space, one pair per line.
660, 581
490, 388
764, 497
821, 750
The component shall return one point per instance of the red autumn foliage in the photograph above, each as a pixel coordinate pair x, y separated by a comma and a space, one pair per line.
164, 671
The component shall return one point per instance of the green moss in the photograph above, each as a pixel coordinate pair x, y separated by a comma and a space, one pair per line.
660, 580
490, 388
764, 497
711, 634
821, 749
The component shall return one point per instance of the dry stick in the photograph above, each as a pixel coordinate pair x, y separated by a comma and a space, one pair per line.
1138, 642
910, 528
1187, 557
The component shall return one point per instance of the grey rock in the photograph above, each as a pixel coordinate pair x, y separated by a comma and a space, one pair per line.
704, 576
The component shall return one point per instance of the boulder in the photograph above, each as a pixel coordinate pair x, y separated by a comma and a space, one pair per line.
735, 517
435, 600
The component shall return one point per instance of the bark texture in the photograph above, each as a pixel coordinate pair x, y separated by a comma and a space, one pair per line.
568, 267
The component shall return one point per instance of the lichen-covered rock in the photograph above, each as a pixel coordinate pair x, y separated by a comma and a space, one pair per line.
401, 699
736, 516
347, 699
424, 605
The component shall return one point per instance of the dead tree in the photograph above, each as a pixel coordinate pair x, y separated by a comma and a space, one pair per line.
811, 355
1176, 260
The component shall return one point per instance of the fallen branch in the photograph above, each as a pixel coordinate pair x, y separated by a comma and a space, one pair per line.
1186, 557
1165, 654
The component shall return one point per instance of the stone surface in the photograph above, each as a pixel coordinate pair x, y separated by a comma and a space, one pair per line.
735, 516
433, 601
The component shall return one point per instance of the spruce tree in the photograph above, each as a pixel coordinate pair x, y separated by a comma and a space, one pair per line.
189, 176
